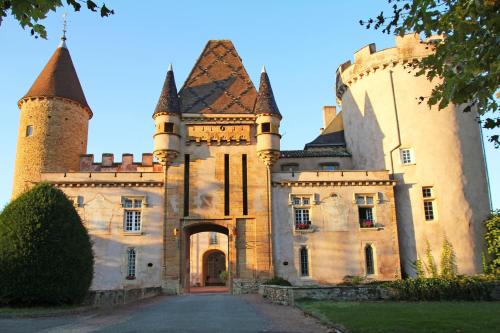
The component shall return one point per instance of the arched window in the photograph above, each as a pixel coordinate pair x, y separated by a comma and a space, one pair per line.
370, 267
131, 263
304, 261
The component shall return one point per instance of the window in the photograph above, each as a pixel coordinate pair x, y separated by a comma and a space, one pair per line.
304, 261
329, 166
29, 130
265, 127
429, 206
131, 263
213, 238
132, 214
290, 167
76, 200
407, 156
168, 127
370, 267
365, 210
302, 212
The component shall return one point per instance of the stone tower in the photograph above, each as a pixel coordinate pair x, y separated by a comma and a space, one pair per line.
268, 122
435, 156
53, 124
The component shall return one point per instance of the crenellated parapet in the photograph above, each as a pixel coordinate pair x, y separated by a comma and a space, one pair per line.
368, 61
127, 163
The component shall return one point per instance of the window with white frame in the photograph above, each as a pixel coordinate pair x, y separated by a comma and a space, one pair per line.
407, 156
302, 211
131, 263
366, 206
132, 214
304, 261
429, 203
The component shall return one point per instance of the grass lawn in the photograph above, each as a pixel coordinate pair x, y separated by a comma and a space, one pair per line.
402, 317
7, 312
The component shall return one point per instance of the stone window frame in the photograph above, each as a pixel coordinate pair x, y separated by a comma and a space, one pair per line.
213, 238
265, 127
302, 202
429, 204
137, 209
76, 200
289, 167
407, 156
373, 246
366, 204
324, 166
300, 263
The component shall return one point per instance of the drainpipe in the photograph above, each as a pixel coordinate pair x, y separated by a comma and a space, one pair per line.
488, 186
397, 123
269, 220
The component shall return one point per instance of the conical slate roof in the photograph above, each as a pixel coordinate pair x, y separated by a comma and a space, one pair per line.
218, 83
59, 79
168, 101
266, 103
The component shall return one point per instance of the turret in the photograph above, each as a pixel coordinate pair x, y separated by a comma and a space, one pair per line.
167, 121
268, 122
54, 121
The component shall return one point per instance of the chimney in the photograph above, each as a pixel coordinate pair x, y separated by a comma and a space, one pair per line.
329, 113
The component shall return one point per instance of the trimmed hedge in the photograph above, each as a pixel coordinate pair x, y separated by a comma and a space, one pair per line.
465, 288
277, 281
45, 252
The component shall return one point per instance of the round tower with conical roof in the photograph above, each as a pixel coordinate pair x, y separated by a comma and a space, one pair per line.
53, 126
167, 117
268, 122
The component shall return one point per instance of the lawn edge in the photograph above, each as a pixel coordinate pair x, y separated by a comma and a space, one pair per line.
338, 328
49, 312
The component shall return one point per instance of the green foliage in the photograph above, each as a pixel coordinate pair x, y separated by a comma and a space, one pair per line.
45, 252
277, 281
224, 276
431, 263
352, 280
419, 268
466, 54
491, 261
448, 261
466, 288
30, 12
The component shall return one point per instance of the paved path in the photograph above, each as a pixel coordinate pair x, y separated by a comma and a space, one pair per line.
189, 313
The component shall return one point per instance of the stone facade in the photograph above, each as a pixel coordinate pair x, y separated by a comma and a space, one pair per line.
311, 216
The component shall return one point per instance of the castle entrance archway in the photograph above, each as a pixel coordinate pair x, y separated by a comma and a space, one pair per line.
207, 250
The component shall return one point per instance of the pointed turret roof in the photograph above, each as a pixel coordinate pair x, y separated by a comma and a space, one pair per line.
59, 79
266, 104
168, 101
218, 83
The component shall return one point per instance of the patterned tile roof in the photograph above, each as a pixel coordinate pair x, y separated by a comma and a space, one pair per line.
59, 79
331, 152
266, 104
168, 101
218, 83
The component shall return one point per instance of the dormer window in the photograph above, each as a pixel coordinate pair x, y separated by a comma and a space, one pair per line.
168, 127
329, 166
265, 127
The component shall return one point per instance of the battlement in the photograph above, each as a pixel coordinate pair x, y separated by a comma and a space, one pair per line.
127, 163
367, 60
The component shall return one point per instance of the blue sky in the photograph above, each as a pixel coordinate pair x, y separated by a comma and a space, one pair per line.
122, 60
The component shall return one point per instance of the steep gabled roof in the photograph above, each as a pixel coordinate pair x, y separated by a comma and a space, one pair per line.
218, 82
266, 104
332, 135
168, 101
59, 79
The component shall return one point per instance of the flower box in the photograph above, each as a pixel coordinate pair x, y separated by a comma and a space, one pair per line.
367, 224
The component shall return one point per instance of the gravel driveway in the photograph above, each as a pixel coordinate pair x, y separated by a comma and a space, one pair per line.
187, 313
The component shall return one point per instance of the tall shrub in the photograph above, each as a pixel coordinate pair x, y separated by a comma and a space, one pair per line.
45, 251
491, 261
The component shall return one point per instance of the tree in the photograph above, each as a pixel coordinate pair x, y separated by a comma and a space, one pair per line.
466, 57
30, 12
45, 251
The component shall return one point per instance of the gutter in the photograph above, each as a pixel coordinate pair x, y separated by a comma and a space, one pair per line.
397, 123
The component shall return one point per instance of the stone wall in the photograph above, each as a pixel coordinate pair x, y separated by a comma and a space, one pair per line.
245, 286
102, 298
288, 295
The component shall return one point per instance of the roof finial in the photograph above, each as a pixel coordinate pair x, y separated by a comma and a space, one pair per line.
170, 69
65, 27
263, 69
